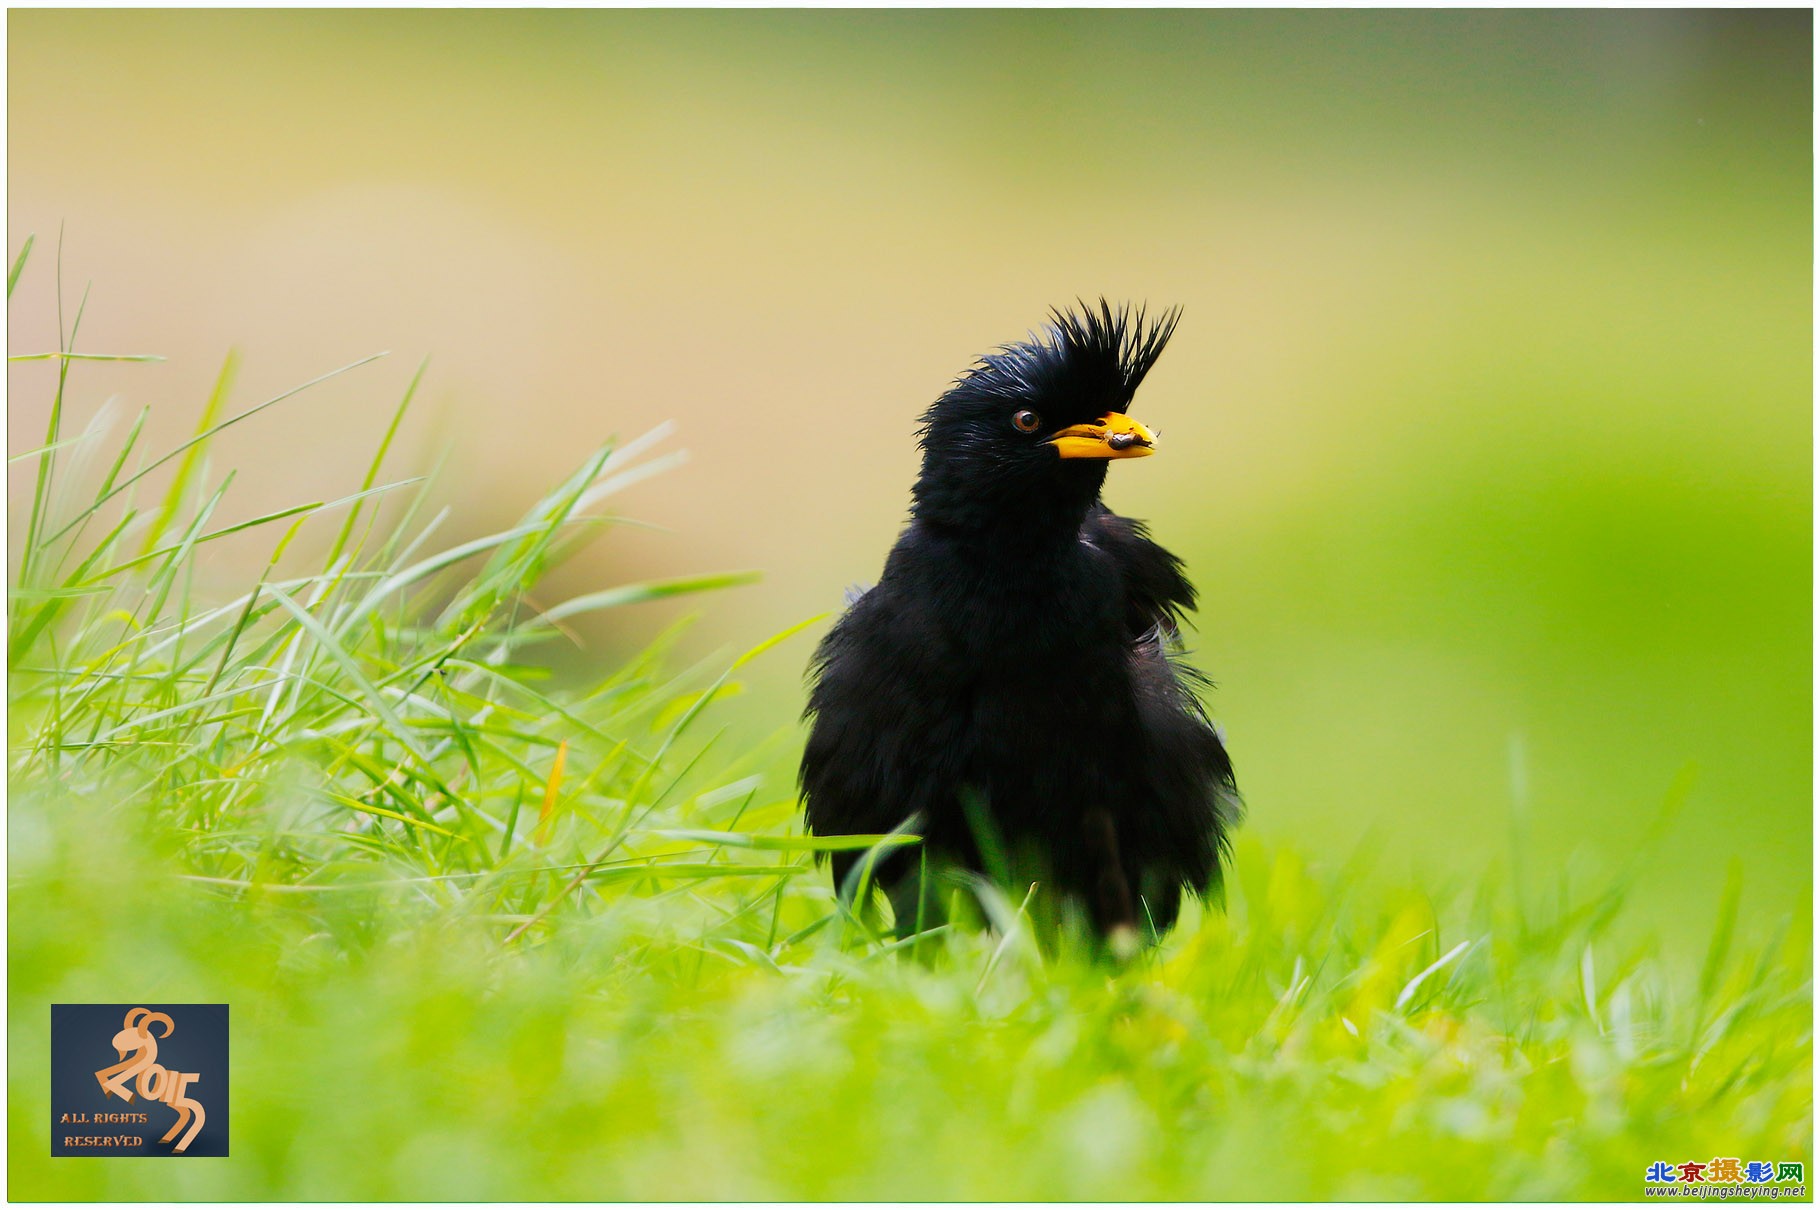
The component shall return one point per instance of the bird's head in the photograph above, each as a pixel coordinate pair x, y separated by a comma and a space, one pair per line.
1026, 434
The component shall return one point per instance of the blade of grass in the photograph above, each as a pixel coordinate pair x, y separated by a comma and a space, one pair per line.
56, 356
25, 250
394, 725
372, 475
204, 436
655, 590
307, 510
186, 468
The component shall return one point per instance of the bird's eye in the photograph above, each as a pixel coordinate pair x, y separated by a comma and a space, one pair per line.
1027, 421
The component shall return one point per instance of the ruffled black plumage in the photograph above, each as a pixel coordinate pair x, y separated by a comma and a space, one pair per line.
1098, 354
1014, 684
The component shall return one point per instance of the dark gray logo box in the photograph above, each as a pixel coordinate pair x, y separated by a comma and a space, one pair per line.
82, 1044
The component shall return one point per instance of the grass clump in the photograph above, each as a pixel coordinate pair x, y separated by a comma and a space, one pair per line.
482, 938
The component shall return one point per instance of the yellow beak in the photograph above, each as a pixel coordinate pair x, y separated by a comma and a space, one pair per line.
1114, 435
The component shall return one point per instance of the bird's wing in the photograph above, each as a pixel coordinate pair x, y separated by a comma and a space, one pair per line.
882, 731
1195, 798
1157, 594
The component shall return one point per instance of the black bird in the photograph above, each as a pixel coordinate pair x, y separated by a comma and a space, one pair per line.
1012, 688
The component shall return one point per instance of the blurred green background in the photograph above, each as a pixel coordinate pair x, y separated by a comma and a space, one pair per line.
1487, 426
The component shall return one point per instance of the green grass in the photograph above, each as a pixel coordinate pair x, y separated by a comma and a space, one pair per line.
484, 938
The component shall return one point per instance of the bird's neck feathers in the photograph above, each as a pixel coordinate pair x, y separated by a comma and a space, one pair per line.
1013, 514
